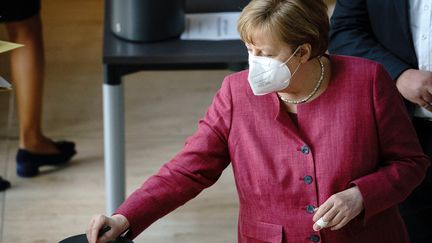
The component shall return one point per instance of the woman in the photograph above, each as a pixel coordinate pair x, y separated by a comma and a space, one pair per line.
321, 146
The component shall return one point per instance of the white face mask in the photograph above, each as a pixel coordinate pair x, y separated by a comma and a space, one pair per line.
267, 75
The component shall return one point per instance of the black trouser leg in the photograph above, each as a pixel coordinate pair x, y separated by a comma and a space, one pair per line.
417, 209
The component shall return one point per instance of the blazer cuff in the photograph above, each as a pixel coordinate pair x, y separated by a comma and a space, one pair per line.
374, 201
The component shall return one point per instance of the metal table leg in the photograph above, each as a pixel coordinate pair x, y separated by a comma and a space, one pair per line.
114, 144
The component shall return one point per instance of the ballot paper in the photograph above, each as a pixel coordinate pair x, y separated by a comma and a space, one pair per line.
4, 47
422, 112
7, 46
211, 26
4, 85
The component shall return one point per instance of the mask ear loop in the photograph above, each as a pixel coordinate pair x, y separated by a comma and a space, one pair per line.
298, 66
295, 52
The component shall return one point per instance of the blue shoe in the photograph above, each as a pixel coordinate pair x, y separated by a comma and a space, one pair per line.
4, 184
28, 163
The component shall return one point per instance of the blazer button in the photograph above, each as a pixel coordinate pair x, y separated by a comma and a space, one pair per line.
305, 149
310, 209
314, 238
307, 179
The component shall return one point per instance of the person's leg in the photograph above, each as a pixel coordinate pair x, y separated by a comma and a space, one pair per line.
27, 65
418, 226
417, 209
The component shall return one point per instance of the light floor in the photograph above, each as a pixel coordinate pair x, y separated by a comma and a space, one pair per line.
162, 109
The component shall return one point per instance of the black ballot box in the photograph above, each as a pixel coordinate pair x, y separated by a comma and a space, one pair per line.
150, 20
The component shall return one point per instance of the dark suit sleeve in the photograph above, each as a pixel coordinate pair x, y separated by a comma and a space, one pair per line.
351, 34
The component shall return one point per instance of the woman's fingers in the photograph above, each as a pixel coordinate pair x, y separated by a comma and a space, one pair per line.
341, 224
326, 220
323, 209
88, 230
336, 219
102, 228
339, 209
96, 224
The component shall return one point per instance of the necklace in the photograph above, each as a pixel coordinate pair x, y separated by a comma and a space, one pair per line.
311, 94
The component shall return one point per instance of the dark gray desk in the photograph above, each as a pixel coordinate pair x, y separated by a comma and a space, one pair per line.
121, 57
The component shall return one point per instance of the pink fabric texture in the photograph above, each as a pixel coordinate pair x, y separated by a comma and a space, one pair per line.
356, 133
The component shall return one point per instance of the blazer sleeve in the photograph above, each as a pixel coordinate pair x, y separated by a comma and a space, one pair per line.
198, 166
351, 34
402, 164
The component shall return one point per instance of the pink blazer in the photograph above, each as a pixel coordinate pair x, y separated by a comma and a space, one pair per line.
356, 133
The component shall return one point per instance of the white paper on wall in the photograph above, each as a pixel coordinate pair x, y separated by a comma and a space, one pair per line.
211, 26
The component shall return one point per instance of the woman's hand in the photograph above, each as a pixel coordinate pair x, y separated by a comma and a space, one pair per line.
339, 209
118, 224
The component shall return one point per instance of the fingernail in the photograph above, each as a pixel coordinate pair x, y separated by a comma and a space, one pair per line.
316, 227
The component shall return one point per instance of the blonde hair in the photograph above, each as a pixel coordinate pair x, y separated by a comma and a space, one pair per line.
294, 22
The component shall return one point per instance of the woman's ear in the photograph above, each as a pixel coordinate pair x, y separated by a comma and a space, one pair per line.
304, 52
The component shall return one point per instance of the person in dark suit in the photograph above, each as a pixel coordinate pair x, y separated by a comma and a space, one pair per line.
397, 34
